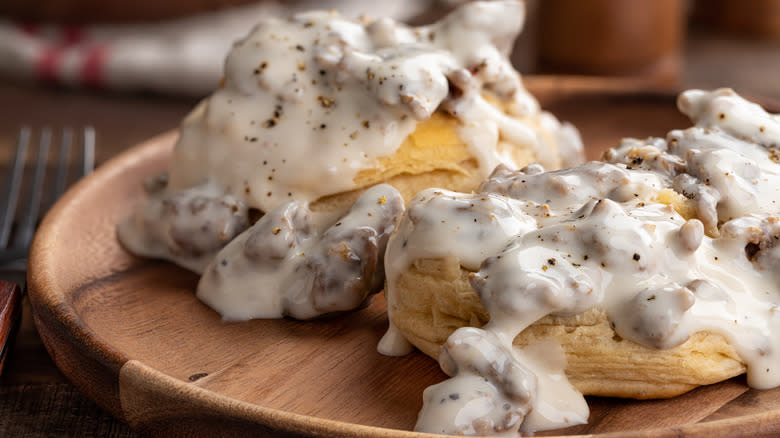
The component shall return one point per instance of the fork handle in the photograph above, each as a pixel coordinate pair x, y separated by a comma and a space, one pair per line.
10, 313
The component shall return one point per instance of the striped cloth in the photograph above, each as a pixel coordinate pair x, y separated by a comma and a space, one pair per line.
182, 56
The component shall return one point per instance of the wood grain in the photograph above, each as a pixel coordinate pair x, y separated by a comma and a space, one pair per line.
132, 336
37, 410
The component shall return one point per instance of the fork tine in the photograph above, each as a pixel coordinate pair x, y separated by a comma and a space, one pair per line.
13, 186
26, 228
61, 178
89, 151
29, 218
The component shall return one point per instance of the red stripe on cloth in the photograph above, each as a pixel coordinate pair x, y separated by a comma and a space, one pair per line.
28, 28
72, 35
47, 63
92, 69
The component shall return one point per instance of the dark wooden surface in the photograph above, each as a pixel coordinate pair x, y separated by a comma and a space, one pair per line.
35, 398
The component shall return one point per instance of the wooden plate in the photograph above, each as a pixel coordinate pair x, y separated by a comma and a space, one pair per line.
132, 336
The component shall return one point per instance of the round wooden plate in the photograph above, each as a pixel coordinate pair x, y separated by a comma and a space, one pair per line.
132, 336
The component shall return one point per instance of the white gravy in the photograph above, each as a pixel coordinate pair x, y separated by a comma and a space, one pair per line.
311, 100
308, 102
562, 242
281, 266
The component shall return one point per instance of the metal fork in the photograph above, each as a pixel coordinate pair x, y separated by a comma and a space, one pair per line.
15, 241
16, 235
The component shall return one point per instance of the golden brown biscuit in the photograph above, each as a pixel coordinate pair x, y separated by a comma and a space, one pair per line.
432, 156
434, 298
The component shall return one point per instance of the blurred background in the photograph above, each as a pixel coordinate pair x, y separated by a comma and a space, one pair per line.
137, 67
676, 43
176, 47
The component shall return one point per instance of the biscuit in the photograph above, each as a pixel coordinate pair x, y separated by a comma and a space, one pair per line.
432, 156
433, 298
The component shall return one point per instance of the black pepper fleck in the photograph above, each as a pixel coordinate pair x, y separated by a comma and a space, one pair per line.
751, 249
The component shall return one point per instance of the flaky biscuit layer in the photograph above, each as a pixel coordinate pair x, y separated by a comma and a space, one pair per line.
433, 298
432, 156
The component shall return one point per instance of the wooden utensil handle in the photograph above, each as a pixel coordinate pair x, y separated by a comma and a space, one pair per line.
10, 312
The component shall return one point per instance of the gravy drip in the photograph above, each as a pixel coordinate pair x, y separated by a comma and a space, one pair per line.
281, 266
599, 234
189, 226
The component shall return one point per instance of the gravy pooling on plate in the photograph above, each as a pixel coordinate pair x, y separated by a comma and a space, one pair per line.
671, 237
317, 105
302, 273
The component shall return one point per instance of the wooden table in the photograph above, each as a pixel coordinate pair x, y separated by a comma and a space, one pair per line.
35, 398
